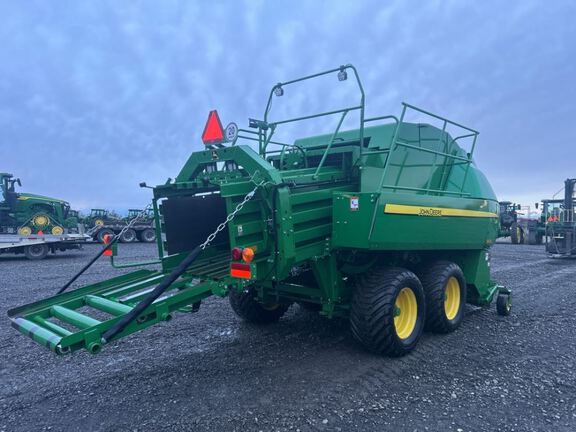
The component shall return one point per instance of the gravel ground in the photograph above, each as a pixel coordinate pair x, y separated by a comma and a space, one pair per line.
210, 371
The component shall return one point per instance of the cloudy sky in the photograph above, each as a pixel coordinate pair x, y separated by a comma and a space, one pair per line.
96, 96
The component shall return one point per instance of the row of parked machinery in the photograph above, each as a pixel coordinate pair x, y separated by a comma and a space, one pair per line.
555, 225
36, 225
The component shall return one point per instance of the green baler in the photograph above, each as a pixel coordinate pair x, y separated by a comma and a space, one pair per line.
388, 225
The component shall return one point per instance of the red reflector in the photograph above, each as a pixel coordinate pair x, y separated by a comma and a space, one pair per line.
107, 252
40, 233
240, 271
237, 254
213, 131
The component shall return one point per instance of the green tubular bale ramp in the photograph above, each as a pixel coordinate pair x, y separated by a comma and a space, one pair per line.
57, 324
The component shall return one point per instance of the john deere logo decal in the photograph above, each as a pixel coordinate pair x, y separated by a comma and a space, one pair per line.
430, 212
404, 209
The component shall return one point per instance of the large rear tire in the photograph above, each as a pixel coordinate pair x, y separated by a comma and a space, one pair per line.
445, 290
388, 311
244, 304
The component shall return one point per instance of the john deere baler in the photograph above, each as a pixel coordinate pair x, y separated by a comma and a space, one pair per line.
388, 225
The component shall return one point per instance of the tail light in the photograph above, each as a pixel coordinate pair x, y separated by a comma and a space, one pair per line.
248, 255
237, 254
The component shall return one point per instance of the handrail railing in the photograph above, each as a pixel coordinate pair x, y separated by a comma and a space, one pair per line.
329, 146
397, 141
265, 126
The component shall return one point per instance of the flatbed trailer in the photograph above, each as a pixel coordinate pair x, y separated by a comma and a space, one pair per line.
37, 247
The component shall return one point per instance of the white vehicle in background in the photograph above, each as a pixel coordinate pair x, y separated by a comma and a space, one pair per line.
37, 247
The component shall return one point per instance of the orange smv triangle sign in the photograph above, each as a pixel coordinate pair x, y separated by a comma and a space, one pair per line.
213, 131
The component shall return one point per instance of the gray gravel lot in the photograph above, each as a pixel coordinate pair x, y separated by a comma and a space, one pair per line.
210, 371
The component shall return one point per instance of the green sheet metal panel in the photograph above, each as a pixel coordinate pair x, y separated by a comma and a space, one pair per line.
408, 221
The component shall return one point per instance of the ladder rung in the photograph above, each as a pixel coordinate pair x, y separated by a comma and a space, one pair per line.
72, 317
52, 326
105, 305
39, 334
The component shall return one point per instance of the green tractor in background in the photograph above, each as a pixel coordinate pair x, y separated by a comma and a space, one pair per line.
30, 214
101, 223
509, 224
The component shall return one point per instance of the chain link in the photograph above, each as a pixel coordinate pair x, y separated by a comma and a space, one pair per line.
134, 220
231, 216
128, 226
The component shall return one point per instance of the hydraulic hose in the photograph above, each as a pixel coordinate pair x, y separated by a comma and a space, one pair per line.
87, 266
157, 292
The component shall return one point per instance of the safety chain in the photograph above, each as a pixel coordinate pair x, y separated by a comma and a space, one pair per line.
231, 216
134, 220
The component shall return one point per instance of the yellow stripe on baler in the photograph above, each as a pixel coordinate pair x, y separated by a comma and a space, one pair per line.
435, 211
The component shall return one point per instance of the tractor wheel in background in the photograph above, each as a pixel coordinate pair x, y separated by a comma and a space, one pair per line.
445, 290
128, 236
57, 230
104, 231
147, 236
388, 310
504, 304
245, 305
36, 252
25, 231
516, 234
41, 220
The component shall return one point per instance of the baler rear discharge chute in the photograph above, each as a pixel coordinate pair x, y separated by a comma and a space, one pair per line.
388, 225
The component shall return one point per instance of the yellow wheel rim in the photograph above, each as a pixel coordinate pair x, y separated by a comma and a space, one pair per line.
25, 231
99, 222
57, 230
405, 313
518, 234
41, 220
452, 298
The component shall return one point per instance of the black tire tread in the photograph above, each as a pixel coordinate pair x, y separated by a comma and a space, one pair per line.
501, 302
246, 307
372, 311
142, 237
434, 279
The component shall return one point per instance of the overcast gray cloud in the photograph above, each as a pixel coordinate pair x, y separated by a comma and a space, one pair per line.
96, 96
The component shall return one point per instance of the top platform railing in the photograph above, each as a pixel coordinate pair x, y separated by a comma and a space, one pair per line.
266, 129
263, 131
398, 141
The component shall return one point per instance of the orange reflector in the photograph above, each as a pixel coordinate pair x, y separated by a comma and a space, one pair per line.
240, 271
213, 131
247, 255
